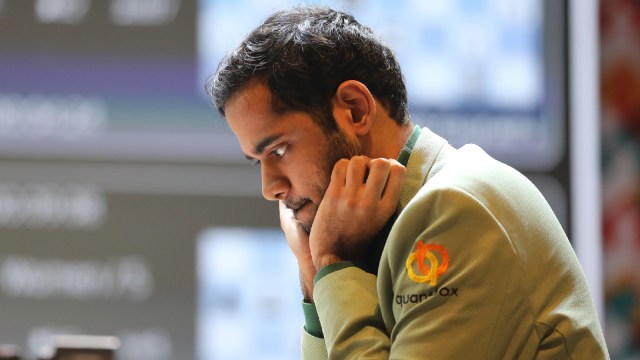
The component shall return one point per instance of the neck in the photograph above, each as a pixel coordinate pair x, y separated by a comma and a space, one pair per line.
387, 139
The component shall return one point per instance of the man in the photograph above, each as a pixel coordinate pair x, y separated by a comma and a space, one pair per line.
407, 247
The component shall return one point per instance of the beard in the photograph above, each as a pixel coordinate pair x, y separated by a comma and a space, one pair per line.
339, 146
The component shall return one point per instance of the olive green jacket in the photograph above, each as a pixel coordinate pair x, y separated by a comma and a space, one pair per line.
476, 266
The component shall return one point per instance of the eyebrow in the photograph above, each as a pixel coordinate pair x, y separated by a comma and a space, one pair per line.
263, 144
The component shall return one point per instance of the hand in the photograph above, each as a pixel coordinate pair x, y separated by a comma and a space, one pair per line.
361, 197
298, 241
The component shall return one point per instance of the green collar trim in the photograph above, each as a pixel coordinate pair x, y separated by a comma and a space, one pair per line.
403, 158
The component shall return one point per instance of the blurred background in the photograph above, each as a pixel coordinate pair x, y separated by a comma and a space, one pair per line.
128, 209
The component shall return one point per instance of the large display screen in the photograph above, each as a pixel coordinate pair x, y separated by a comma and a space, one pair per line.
126, 205
480, 71
105, 80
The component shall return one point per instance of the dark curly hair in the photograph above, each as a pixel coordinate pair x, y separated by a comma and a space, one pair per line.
303, 54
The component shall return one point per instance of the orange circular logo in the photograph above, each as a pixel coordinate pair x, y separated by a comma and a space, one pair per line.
429, 267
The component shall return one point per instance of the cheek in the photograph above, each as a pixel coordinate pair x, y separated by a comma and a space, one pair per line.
314, 178
323, 178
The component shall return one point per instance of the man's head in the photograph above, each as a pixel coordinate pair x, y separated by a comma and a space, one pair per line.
302, 55
306, 88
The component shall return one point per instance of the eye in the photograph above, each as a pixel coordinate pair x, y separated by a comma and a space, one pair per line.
279, 151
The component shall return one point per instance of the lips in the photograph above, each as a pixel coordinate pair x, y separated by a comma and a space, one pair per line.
297, 206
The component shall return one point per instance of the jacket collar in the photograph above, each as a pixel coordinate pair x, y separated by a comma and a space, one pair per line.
426, 159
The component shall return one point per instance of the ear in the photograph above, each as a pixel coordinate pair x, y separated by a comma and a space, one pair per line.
354, 108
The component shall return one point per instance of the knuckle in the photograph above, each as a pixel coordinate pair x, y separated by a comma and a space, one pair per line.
342, 162
380, 164
351, 202
398, 168
341, 165
358, 160
366, 206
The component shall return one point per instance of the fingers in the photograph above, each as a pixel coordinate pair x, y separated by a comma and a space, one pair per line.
349, 174
377, 178
285, 213
282, 207
361, 197
297, 238
339, 174
392, 190
298, 242
356, 172
288, 223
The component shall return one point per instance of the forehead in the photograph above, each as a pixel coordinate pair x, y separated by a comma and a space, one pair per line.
249, 111
251, 117
252, 100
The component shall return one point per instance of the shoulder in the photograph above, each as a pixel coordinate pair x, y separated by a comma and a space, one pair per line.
473, 198
500, 188
472, 169
474, 192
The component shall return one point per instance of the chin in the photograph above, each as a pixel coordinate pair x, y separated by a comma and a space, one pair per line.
306, 227
306, 217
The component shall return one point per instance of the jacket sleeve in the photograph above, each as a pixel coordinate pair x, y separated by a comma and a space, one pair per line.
313, 348
313, 344
448, 313
349, 311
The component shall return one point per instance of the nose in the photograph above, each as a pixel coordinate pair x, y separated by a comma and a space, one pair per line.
274, 184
